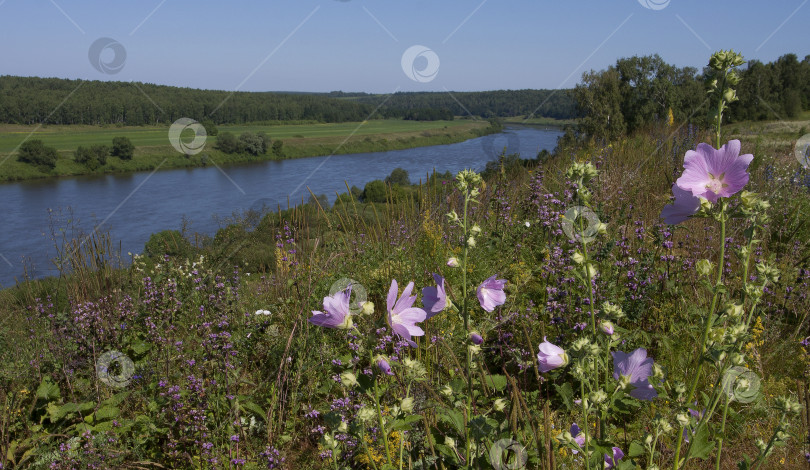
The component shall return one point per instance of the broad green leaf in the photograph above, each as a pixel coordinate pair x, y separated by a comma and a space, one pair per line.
700, 446
498, 382
256, 409
48, 390
567, 394
636, 449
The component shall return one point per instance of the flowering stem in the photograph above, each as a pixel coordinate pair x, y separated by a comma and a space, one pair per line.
720, 103
365, 447
380, 418
706, 329
585, 417
466, 315
722, 433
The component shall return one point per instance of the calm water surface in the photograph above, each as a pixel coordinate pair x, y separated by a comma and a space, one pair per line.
133, 206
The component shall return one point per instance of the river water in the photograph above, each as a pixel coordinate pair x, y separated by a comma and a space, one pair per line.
133, 206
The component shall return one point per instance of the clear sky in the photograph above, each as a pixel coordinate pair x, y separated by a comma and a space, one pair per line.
358, 45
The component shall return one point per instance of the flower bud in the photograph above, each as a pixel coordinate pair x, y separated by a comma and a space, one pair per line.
597, 397
368, 307
648, 438
578, 257
384, 366
682, 419
606, 327
735, 310
476, 338
591, 271
474, 349
601, 228
453, 262
407, 405
500, 404
449, 442
475, 230
348, 379
704, 267
365, 414
447, 390
680, 389
343, 427
471, 242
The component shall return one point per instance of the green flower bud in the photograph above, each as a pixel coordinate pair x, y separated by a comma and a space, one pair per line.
348, 379
578, 257
704, 267
500, 404
366, 414
682, 419
407, 404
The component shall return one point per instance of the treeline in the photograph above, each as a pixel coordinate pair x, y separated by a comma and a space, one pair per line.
640, 91
32, 100
29, 100
556, 104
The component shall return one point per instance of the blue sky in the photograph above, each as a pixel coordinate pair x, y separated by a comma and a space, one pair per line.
358, 45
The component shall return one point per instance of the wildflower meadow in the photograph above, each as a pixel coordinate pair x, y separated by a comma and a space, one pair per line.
640, 303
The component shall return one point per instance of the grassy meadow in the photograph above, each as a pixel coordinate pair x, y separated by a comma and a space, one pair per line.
153, 150
220, 367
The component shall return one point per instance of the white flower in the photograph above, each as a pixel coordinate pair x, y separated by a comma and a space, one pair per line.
453, 262
262, 312
527, 224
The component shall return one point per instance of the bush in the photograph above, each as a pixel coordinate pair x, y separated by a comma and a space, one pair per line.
277, 148
252, 144
93, 157
375, 191
210, 127
168, 242
227, 142
37, 153
123, 148
398, 176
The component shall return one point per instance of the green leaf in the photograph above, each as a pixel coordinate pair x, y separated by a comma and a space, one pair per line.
404, 424
498, 382
48, 390
454, 418
636, 449
106, 413
700, 446
140, 347
567, 394
256, 409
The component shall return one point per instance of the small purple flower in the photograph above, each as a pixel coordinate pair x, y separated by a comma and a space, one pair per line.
684, 207
611, 461
636, 368
606, 327
337, 311
402, 315
579, 437
384, 366
490, 293
712, 173
434, 298
476, 338
551, 356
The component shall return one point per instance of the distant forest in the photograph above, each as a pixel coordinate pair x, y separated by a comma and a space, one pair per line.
30, 100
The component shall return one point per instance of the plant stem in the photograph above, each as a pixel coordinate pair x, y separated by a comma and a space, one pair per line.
365, 447
380, 418
585, 427
722, 433
466, 315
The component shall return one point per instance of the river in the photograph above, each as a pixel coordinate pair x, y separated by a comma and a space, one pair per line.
133, 206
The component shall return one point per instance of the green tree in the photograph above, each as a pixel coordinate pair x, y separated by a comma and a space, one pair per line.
252, 144
123, 148
278, 149
210, 127
375, 191
37, 153
93, 157
599, 101
227, 142
398, 176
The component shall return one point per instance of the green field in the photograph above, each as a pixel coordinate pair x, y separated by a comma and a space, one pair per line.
153, 149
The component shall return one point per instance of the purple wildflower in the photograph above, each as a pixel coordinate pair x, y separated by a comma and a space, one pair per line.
337, 311
612, 460
686, 204
384, 366
579, 437
402, 316
476, 338
551, 356
490, 293
434, 298
712, 173
636, 368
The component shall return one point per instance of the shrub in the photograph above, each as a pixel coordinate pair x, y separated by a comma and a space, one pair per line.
123, 148
252, 144
93, 157
227, 142
167, 242
398, 176
375, 191
37, 153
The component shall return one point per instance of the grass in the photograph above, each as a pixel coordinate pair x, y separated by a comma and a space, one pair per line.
153, 149
539, 121
183, 319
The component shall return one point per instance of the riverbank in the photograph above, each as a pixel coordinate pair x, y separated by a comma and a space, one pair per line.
152, 149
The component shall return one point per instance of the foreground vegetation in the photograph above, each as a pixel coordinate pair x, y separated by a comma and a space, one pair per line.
152, 149
554, 315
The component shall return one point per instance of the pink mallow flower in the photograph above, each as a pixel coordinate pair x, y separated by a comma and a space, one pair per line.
551, 356
684, 207
490, 293
402, 315
612, 460
712, 173
635, 368
337, 311
434, 298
